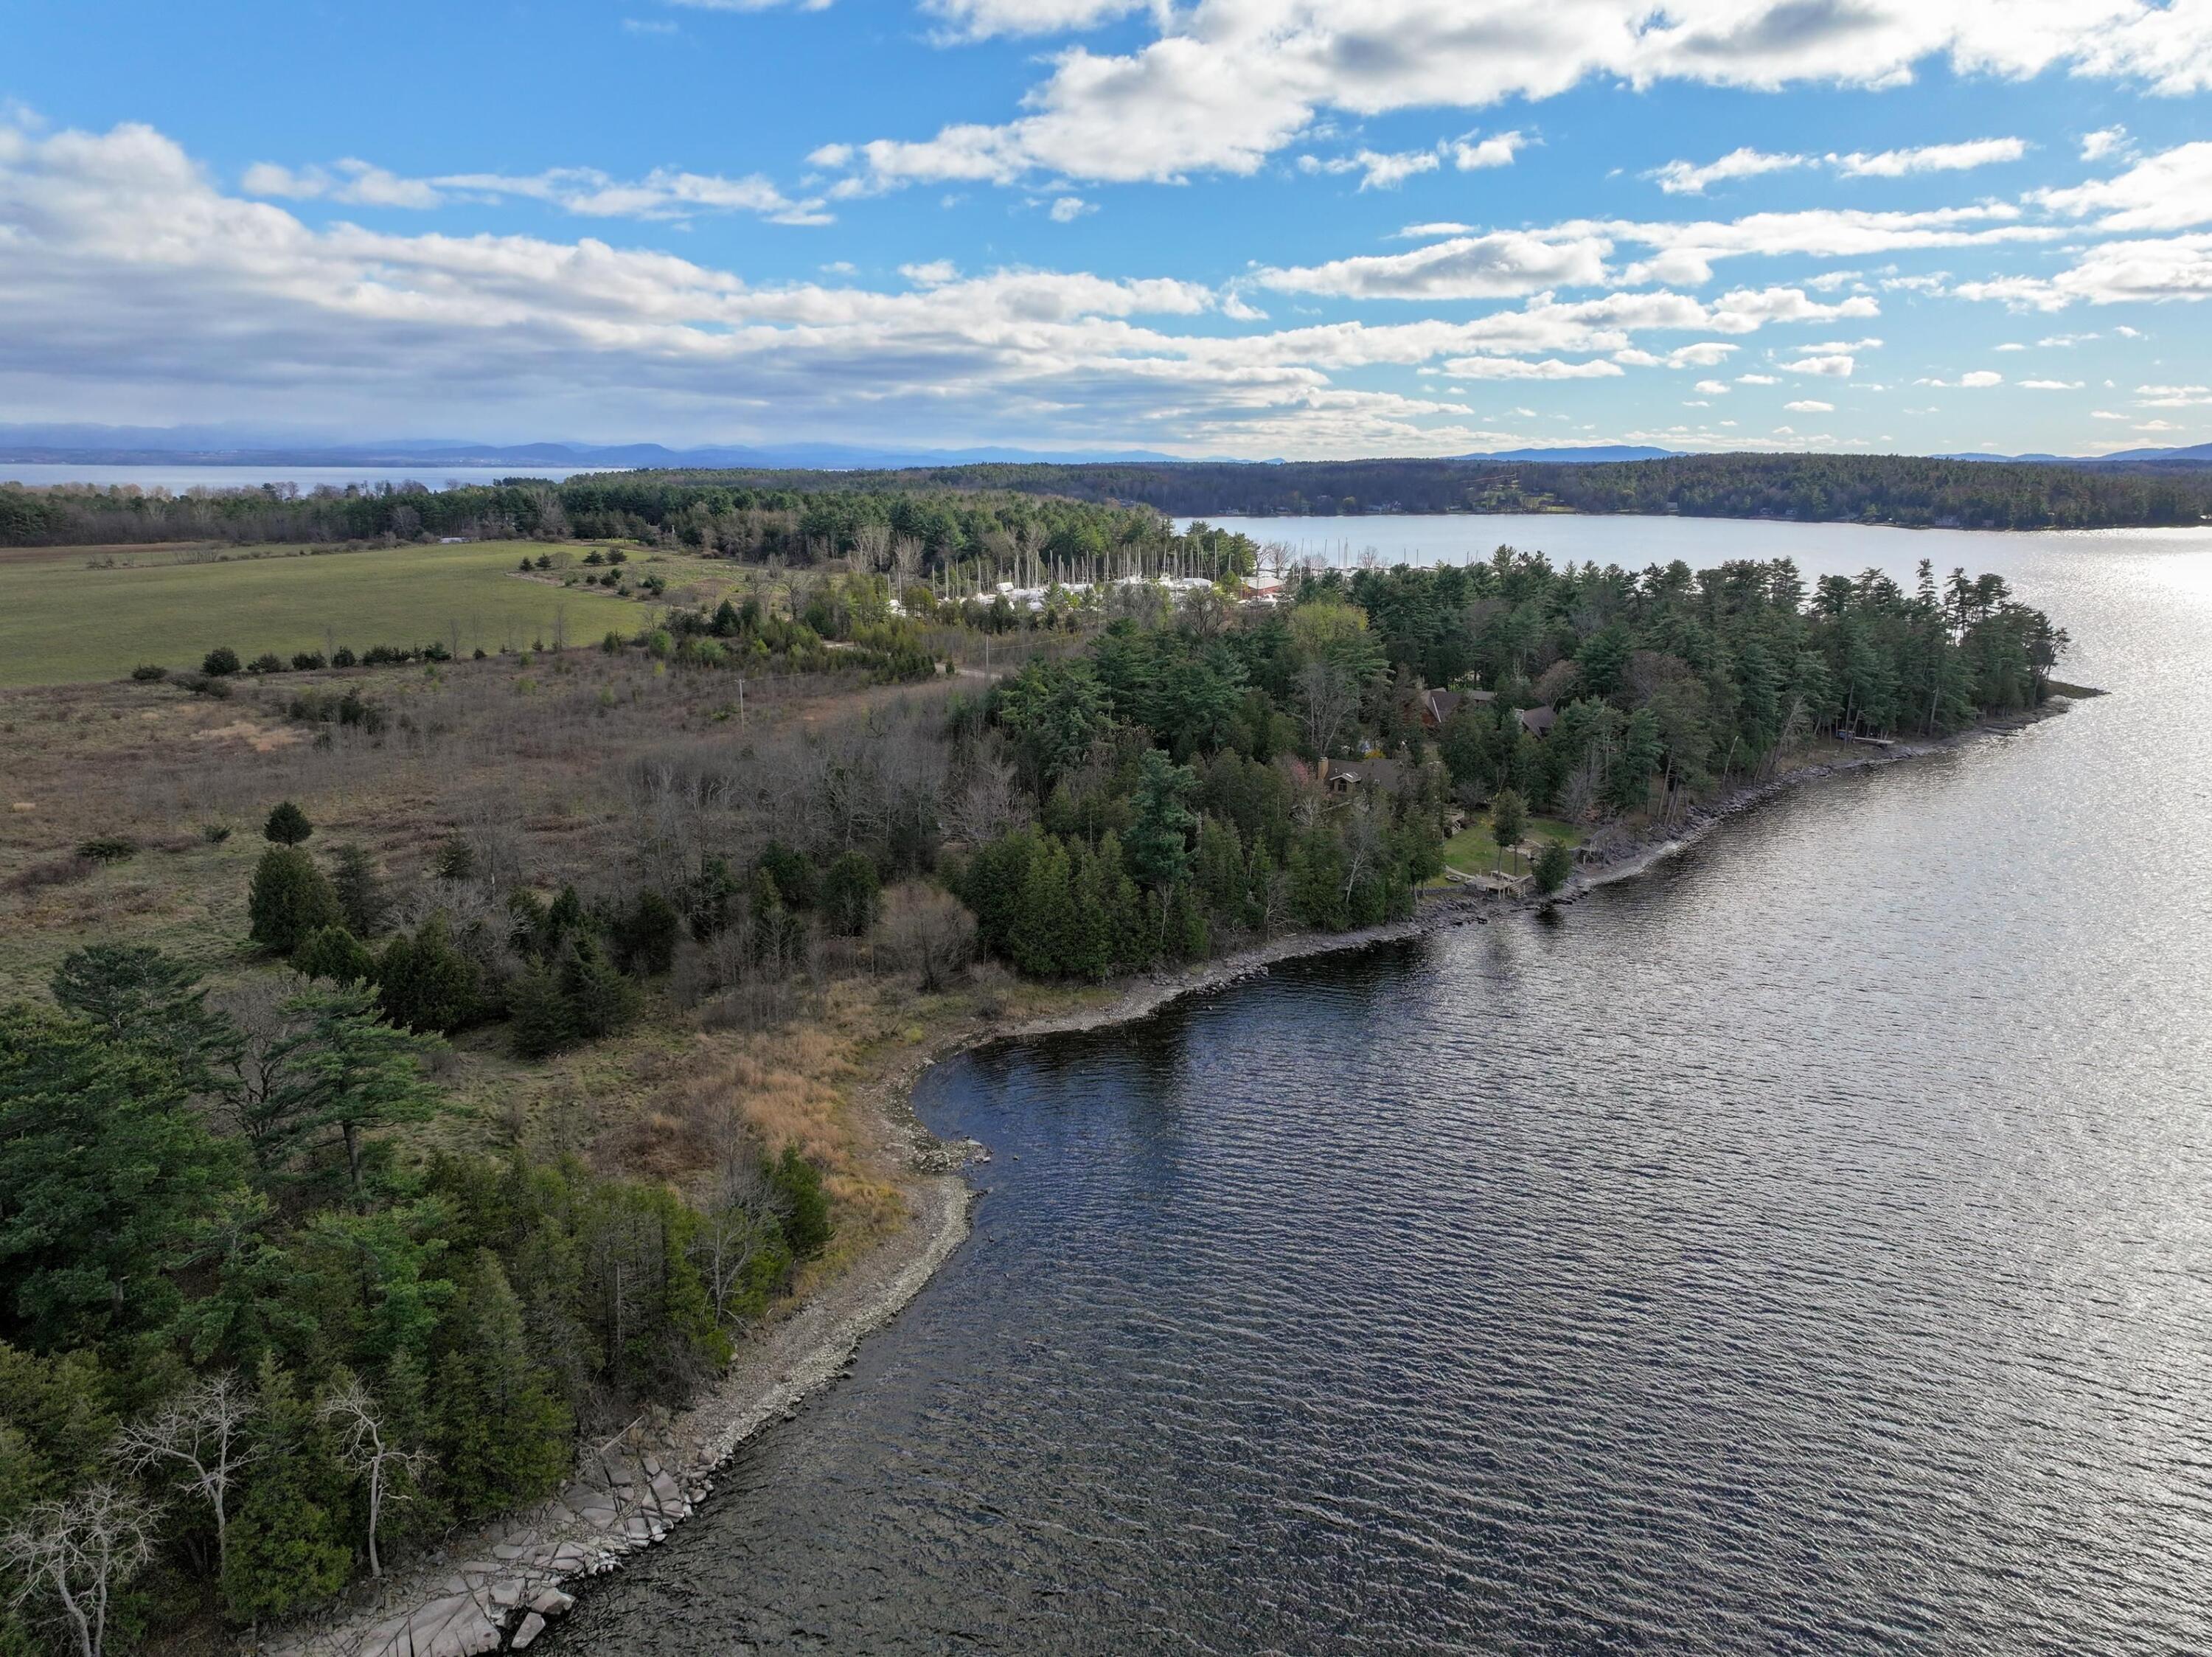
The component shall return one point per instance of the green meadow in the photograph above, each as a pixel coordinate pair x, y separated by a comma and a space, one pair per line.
62, 621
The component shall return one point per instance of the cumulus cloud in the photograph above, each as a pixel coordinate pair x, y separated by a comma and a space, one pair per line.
1809, 406
1757, 380
2148, 271
2171, 191
2105, 140
2050, 384
1713, 387
1472, 155
238, 304
1379, 171
1227, 83
1065, 210
1834, 366
1976, 379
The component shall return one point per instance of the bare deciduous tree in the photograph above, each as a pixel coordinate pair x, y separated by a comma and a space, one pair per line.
361, 1442
1327, 698
81, 1551
199, 1439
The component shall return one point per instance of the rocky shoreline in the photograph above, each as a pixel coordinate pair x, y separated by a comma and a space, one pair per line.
498, 1588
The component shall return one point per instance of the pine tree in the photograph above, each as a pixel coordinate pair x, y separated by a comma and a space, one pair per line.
1039, 932
335, 953
425, 983
601, 1002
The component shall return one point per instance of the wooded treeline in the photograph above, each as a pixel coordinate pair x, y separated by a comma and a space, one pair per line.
1073, 512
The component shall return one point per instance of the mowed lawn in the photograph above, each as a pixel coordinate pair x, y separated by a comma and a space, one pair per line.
1473, 849
61, 622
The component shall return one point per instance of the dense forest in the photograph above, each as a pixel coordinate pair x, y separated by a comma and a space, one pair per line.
1071, 513
255, 1341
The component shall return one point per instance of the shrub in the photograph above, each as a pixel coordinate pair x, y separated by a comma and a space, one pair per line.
290, 900
219, 662
108, 849
215, 833
267, 662
342, 657
613, 643
306, 660
146, 672
287, 825
335, 953
800, 1201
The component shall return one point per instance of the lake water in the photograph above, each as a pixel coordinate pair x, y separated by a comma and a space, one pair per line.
179, 479
1805, 1249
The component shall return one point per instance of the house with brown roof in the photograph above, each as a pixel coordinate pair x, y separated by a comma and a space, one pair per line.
1538, 722
1438, 706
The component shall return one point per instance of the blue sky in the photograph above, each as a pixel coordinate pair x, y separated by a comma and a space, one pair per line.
1295, 227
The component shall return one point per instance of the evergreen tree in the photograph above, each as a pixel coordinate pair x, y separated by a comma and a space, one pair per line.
501, 1436
426, 983
601, 1002
360, 889
107, 1177
1553, 865
541, 1022
287, 1549
345, 1071
134, 993
290, 898
287, 825
851, 895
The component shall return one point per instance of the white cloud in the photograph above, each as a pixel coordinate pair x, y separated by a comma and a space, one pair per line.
1065, 210
1510, 368
660, 26
1472, 155
2105, 140
2050, 384
1227, 83
2173, 397
1713, 387
1380, 171
2107, 414
1836, 365
2110, 273
1929, 158
2171, 191
663, 193
1757, 380
1506, 264
355, 182
2009, 345
1685, 179
1976, 379
1808, 406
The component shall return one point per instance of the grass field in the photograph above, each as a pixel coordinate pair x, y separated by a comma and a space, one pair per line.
62, 623
1473, 849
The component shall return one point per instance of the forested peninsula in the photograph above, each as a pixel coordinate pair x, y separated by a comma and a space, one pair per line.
416, 1063
950, 509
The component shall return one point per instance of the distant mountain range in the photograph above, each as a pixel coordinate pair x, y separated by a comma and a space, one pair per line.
240, 446
65, 445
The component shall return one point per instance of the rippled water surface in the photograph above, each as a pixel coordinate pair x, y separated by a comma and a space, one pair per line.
1805, 1249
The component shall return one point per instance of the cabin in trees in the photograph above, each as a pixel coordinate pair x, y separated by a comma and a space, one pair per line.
1345, 777
1538, 722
